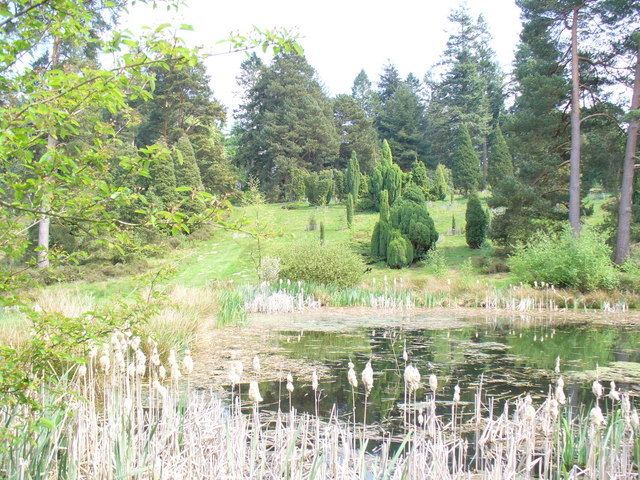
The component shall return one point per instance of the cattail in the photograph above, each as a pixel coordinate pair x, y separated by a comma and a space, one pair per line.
597, 389
367, 377
614, 395
118, 358
557, 369
529, 412
161, 389
141, 362
420, 418
351, 376
131, 369
234, 376
127, 405
134, 343
289, 385
162, 372
82, 371
174, 368
625, 405
597, 419
155, 357
560, 382
314, 380
552, 406
560, 397
412, 377
187, 363
635, 420
104, 361
456, 394
433, 383
256, 364
254, 392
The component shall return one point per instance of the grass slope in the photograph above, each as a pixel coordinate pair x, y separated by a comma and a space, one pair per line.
232, 256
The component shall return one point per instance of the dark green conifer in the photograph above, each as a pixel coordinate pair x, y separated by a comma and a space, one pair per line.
477, 222
466, 164
500, 162
349, 210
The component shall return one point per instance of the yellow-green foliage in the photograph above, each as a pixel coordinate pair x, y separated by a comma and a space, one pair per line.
325, 263
563, 260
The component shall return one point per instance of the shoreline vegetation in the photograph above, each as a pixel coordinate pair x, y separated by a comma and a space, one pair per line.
135, 415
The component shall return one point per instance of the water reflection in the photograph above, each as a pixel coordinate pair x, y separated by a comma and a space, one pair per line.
507, 357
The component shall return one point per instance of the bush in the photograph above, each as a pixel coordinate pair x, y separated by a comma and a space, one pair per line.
411, 217
477, 222
563, 260
399, 251
329, 264
319, 187
269, 269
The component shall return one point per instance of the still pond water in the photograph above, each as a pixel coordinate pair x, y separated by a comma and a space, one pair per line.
511, 356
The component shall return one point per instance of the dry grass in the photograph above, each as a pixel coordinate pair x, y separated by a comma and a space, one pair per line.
66, 301
15, 327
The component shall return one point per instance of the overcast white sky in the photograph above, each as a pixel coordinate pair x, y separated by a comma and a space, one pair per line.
339, 37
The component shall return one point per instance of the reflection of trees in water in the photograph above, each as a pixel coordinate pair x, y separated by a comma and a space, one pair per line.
510, 360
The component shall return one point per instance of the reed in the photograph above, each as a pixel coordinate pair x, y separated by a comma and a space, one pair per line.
119, 416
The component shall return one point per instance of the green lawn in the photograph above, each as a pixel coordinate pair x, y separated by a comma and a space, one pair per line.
230, 255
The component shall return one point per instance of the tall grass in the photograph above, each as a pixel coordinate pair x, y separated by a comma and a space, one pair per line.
123, 415
231, 308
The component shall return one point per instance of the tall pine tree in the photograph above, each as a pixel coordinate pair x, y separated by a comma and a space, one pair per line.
287, 116
501, 165
466, 164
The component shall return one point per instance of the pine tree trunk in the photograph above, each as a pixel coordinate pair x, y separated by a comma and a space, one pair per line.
45, 221
623, 239
574, 175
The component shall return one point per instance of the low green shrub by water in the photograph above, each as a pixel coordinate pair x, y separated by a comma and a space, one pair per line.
563, 260
324, 263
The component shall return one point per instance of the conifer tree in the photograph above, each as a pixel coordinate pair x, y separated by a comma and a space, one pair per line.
384, 206
353, 177
382, 230
363, 94
501, 165
186, 168
387, 157
386, 176
441, 184
406, 232
163, 179
466, 164
477, 222
538, 135
402, 122
420, 177
349, 210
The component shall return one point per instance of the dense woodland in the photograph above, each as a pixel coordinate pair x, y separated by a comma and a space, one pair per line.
162, 154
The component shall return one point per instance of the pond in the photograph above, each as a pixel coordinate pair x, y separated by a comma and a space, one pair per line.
509, 356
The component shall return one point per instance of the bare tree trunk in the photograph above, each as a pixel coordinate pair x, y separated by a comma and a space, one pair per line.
574, 175
45, 220
623, 239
